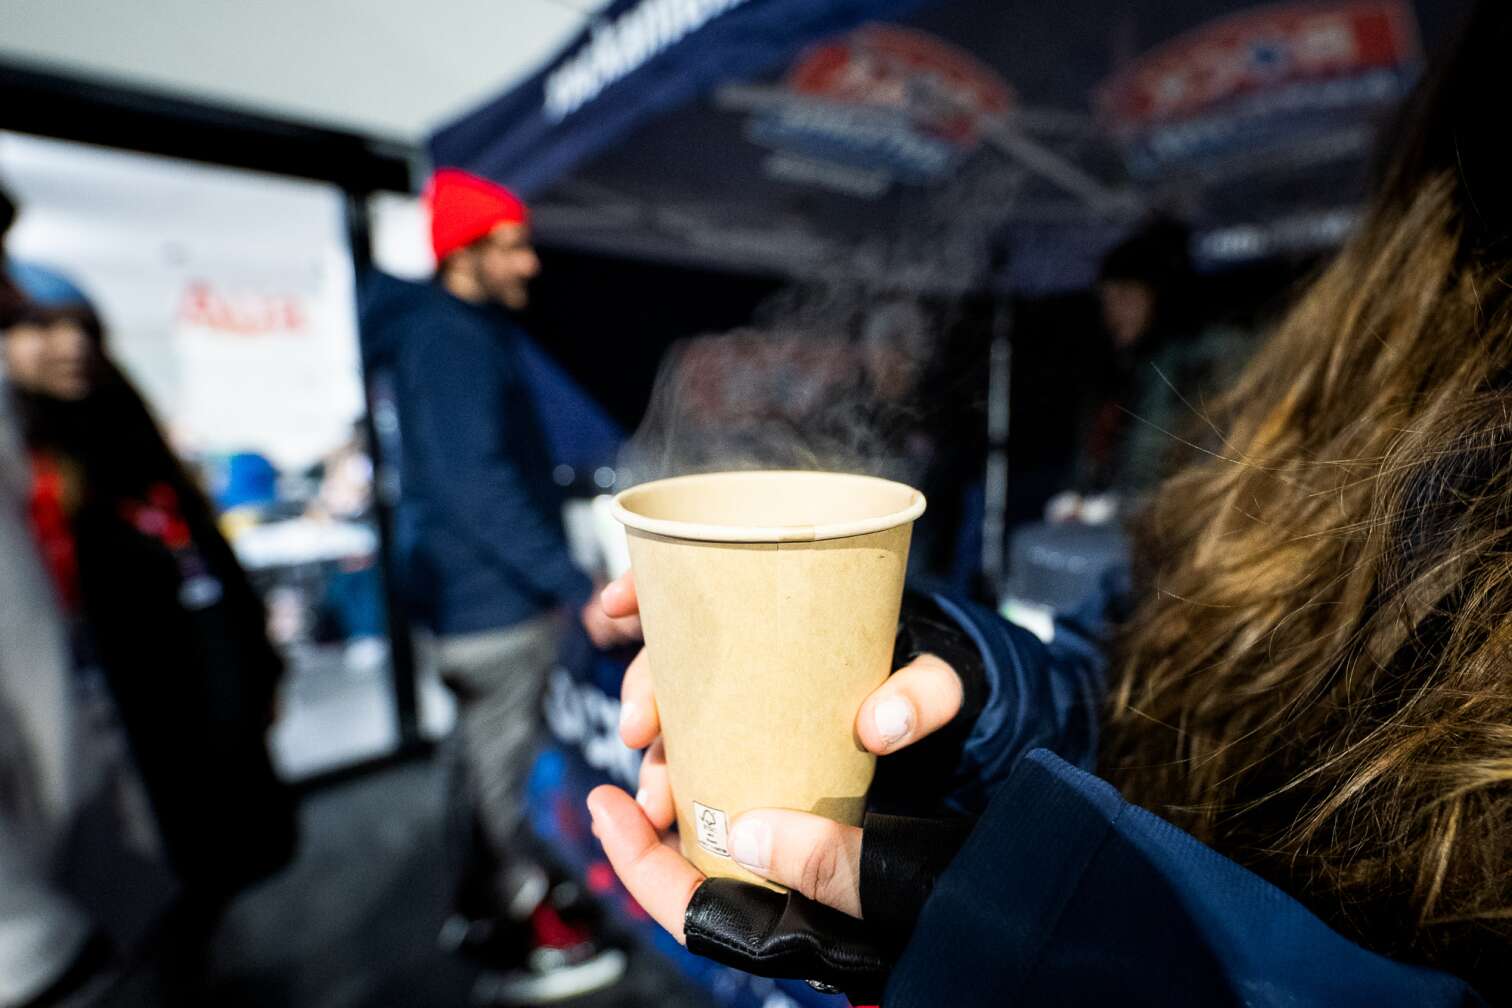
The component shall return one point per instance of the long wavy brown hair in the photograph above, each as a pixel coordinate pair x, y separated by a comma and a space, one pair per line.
1318, 679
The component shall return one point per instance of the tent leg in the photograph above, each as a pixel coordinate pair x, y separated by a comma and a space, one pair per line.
995, 505
401, 641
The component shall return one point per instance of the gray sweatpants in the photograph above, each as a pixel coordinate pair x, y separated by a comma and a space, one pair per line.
498, 678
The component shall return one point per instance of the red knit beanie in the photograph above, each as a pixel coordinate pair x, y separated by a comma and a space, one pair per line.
465, 207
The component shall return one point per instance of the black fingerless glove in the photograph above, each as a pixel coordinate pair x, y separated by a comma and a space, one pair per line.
789, 935
785, 935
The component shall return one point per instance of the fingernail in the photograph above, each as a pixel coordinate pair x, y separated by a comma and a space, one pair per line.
751, 843
628, 713
611, 593
641, 797
894, 718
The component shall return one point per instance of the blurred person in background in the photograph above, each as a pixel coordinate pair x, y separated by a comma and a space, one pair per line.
1300, 705
166, 630
49, 949
487, 571
1162, 356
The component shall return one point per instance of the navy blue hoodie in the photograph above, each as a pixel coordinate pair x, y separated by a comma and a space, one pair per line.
480, 529
1065, 894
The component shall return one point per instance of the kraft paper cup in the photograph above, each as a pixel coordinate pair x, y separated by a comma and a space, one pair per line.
770, 605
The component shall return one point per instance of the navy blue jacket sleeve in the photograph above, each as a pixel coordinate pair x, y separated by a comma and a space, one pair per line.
454, 383
1037, 695
1065, 894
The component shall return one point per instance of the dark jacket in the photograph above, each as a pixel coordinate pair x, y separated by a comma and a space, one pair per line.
480, 517
1065, 894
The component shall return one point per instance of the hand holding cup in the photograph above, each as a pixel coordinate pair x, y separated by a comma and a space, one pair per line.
808, 853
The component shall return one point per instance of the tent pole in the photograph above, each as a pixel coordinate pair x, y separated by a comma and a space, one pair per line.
401, 641
995, 485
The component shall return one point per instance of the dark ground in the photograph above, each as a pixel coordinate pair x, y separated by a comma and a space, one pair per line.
353, 922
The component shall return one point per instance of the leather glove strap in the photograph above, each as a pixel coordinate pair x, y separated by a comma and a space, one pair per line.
784, 935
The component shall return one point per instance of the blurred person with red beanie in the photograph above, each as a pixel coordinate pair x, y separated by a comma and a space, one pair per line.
486, 570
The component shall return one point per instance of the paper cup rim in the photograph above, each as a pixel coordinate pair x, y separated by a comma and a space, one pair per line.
704, 532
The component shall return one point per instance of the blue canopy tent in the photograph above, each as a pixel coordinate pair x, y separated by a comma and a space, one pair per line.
813, 134
944, 147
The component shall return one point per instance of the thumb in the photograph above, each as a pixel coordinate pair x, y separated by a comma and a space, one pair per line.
817, 857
